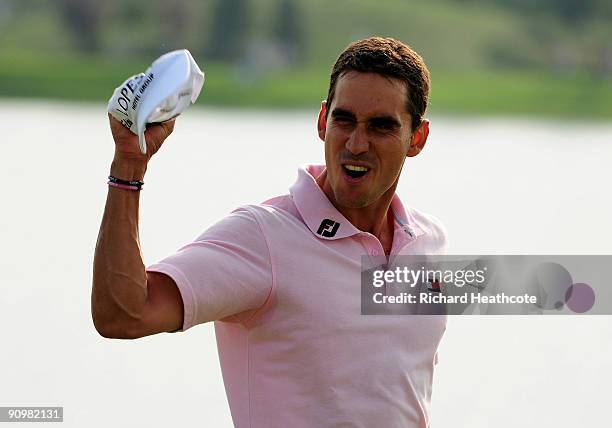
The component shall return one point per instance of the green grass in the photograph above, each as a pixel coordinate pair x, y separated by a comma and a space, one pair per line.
522, 93
482, 92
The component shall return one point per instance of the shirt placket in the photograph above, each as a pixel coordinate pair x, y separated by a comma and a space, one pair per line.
375, 251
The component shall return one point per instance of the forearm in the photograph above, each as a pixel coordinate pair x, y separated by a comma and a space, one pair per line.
119, 290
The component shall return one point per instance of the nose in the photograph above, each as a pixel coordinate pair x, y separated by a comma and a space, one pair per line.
357, 142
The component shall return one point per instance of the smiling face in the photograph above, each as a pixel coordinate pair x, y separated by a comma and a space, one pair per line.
367, 134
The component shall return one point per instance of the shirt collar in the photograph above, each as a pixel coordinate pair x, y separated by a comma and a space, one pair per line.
325, 221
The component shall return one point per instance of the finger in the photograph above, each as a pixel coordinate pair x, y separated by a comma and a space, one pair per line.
113, 122
169, 125
117, 127
160, 131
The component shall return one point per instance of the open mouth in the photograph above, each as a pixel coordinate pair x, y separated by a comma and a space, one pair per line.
355, 171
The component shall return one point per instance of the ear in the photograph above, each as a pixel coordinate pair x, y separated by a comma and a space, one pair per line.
322, 121
418, 139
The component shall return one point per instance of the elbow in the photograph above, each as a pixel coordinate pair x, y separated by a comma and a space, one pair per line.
107, 334
100, 321
105, 329
111, 329
111, 320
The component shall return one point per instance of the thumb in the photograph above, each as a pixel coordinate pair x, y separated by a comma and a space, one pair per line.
158, 132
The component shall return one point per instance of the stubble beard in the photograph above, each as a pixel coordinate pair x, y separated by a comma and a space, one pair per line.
361, 201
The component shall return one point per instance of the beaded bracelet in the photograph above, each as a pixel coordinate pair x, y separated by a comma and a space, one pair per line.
124, 184
129, 183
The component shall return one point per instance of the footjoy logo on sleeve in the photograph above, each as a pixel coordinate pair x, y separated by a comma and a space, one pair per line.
328, 228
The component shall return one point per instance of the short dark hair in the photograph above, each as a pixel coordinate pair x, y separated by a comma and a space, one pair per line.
391, 58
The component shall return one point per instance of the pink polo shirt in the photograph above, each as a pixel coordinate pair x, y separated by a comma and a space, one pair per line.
282, 281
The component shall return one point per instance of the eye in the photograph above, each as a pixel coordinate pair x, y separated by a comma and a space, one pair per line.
384, 126
343, 121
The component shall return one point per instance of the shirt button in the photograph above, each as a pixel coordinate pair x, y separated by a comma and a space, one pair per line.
374, 252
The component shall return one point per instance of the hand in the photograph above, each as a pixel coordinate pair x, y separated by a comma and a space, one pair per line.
126, 142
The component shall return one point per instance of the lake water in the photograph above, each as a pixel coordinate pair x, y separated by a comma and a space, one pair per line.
501, 186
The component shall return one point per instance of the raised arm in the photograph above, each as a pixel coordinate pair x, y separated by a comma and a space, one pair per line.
126, 302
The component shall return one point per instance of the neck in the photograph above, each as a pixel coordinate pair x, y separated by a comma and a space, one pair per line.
374, 218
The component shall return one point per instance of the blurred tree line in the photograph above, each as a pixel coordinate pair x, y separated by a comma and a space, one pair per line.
572, 12
563, 35
585, 43
138, 26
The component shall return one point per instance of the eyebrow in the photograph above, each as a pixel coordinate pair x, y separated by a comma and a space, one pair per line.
340, 112
384, 119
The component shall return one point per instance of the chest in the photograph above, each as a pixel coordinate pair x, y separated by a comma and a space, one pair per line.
317, 307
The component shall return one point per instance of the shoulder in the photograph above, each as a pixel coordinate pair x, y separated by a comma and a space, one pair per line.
274, 209
251, 216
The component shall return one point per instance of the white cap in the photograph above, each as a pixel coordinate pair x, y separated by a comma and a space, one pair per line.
169, 86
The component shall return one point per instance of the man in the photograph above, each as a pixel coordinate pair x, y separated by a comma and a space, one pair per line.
282, 279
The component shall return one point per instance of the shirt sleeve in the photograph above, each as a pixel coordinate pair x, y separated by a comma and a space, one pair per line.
225, 274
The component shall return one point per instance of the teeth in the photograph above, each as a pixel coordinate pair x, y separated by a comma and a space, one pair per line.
355, 168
